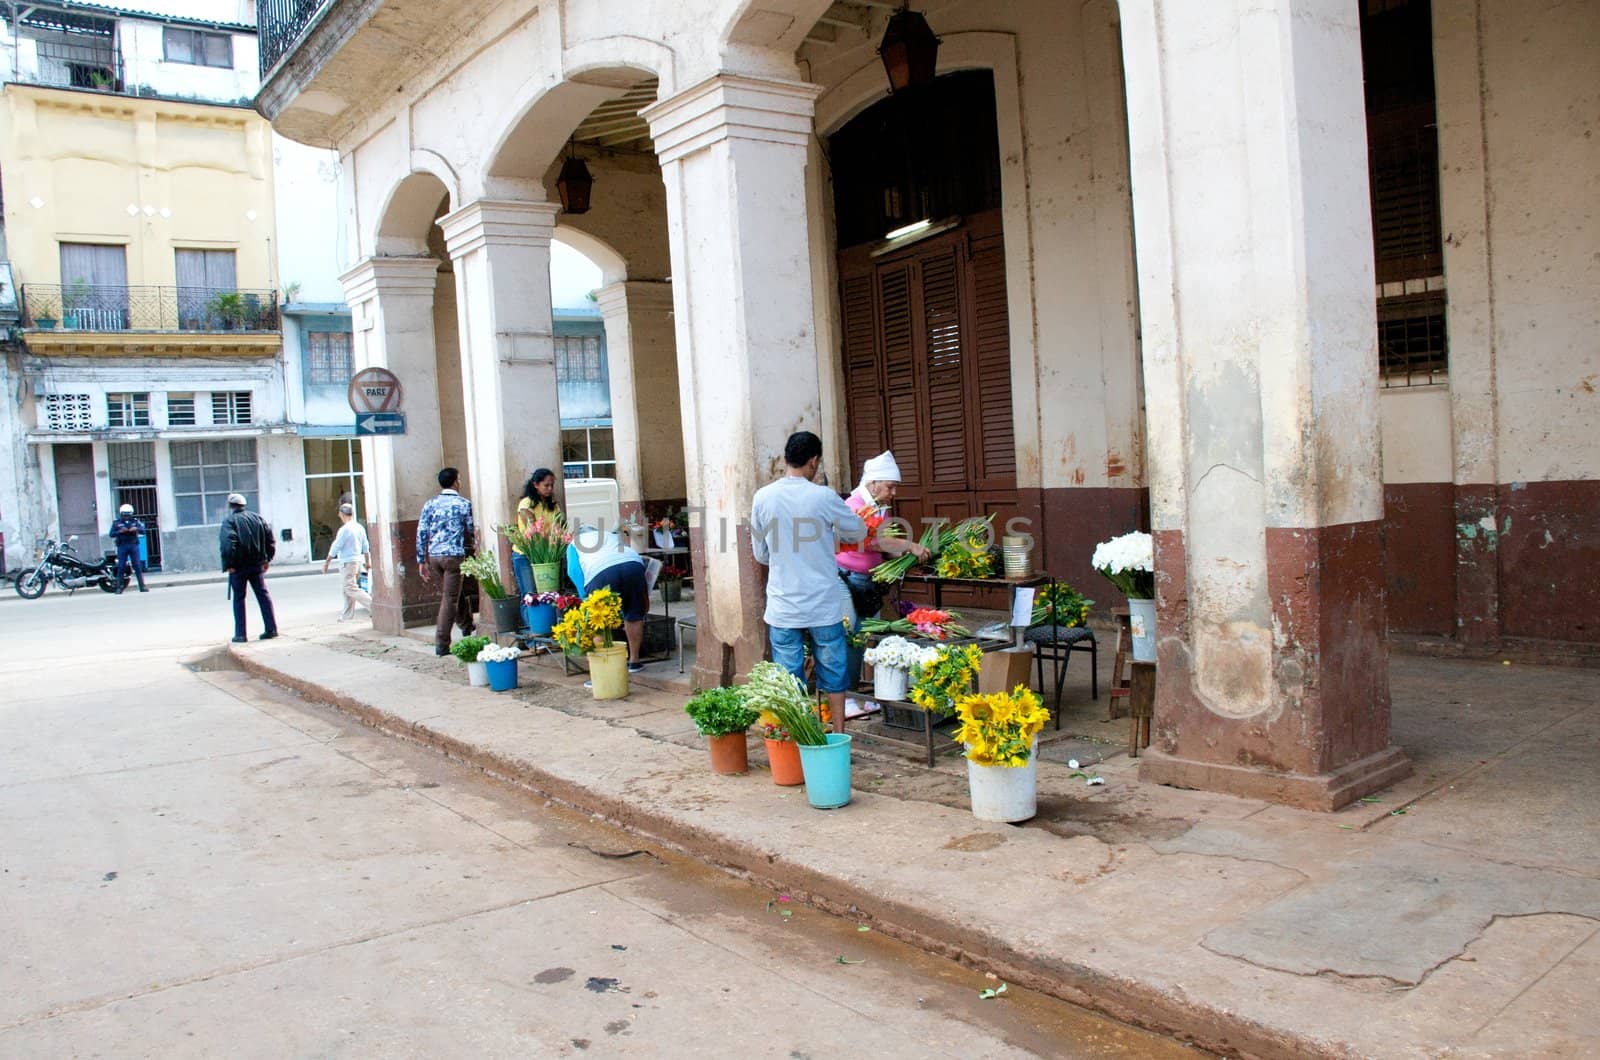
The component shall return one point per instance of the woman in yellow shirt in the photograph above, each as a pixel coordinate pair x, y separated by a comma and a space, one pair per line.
538, 501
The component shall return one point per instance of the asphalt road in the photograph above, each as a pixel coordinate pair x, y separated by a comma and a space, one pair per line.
197, 863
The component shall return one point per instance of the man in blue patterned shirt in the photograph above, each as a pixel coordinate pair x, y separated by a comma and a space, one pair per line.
444, 538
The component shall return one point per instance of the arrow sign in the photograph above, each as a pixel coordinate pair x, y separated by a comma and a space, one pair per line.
380, 423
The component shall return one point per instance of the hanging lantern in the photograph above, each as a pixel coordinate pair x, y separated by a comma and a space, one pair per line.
909, 51
574, 185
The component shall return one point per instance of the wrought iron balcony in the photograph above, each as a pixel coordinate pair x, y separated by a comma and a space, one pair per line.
280, 24
149, 308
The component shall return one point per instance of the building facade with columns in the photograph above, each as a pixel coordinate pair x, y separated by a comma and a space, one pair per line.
1278, 281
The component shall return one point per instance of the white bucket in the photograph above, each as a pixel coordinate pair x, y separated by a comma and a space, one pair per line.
889, 682
1142, 620
478, 674
1005, 793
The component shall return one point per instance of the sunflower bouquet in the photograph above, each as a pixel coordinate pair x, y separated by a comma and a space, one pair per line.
962, 550
946, 678
1060, 604
998, 729
589, 625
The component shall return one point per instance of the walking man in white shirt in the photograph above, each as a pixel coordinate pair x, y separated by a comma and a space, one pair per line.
795, 529
350, 549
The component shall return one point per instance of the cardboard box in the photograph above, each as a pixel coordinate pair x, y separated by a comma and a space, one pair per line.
1004, 670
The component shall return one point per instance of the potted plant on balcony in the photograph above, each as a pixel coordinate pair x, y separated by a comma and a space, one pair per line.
824, 756
466, 651
485, 568
1001, 734
251, 315
75, 300
722, 716
228, 308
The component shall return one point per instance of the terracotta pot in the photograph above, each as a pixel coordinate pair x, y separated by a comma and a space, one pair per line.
784, 757
728, 753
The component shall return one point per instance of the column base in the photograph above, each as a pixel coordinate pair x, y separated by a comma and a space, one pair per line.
1320, 791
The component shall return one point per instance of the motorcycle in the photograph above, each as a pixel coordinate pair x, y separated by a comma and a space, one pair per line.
59, 562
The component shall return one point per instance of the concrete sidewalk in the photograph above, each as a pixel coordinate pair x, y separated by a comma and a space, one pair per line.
161, 580
1459, 916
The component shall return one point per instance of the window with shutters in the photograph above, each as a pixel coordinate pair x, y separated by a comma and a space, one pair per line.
1403, 175
180, 410
128, 410
197, 47
230, 408
66, 412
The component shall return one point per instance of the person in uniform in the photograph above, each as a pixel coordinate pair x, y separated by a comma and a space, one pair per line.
126, 532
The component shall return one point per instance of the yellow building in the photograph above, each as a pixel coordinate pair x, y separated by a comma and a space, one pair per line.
138, 225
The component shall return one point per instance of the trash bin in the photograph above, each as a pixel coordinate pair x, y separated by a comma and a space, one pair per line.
144, 552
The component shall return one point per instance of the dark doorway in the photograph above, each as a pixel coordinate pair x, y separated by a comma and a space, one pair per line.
77, 511
925, 335
133, 481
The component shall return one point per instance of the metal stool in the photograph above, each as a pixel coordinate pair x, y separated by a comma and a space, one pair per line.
691, 624
1057, 643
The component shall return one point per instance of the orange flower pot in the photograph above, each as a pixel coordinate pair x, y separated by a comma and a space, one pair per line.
729, 753
784, 757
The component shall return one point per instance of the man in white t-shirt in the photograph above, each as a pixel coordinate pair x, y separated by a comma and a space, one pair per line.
350, 549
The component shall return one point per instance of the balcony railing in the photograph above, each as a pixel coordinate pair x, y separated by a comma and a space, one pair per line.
78, 65
107, 307
280, 25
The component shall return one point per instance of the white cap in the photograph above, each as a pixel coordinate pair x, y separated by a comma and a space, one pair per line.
881, 468
236, 499
126, 509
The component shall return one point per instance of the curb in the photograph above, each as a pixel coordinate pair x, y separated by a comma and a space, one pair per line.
1131, 1001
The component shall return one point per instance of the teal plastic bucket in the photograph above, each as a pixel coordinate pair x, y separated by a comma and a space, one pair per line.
539, 618
827, 771
502, 675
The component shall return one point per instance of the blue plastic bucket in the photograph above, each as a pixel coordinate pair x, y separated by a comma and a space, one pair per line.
827, 771
539, 618
502, 675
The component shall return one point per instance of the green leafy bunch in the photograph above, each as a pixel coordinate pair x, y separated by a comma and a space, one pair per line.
720, 711
467, 648
486, 569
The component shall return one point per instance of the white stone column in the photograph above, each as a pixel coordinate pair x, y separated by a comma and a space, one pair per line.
1248, 147
733, 154
501, 256
391, 307
646, 421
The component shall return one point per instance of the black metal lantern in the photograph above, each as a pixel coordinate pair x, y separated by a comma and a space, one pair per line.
909, 51
574, 184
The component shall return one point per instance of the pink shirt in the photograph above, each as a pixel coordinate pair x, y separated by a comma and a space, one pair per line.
863, 557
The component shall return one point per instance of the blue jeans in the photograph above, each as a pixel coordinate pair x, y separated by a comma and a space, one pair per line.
524, 572
128, 565
257, 580
828, 648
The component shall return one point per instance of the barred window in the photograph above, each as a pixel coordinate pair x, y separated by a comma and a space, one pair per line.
204, 473
230, 408
180, 410
67, 412
1411, 339
128, 410
578, 359
328, 358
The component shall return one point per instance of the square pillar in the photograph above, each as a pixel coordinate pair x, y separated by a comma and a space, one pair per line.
501, 254
733, 156
646, 422
1253, 230
391, 306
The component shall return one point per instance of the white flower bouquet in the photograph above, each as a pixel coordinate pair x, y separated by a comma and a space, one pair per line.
495, 653
1128, 562
897, 653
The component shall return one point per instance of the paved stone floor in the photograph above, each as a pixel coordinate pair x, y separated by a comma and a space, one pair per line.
197, 863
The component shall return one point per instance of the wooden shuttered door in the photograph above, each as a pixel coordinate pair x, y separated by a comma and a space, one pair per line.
927, 361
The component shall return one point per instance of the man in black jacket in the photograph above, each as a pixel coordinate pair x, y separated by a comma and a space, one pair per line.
247, 551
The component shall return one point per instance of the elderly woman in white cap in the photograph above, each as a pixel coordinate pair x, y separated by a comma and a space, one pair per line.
880, 479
